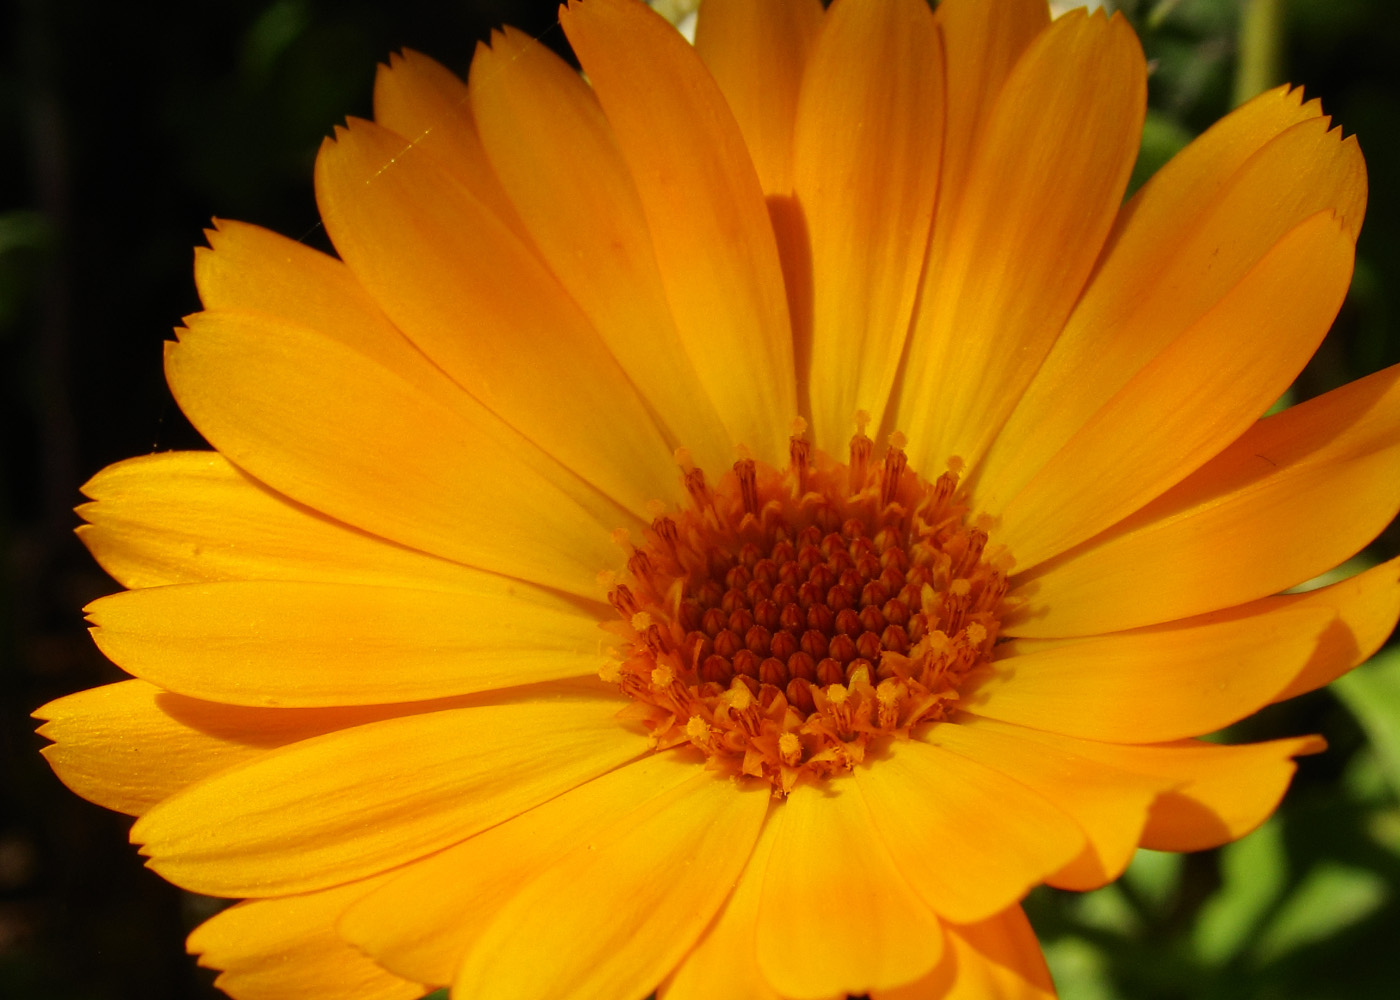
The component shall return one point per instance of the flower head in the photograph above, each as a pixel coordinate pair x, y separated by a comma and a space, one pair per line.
736, 520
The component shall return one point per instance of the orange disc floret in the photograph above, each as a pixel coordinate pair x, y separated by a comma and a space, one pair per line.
787, 617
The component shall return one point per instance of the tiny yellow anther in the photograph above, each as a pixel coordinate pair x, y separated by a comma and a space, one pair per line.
662, 677
738, 697
697, 731
641, 621
790, 749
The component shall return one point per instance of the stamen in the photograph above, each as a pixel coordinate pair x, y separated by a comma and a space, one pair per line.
748, 484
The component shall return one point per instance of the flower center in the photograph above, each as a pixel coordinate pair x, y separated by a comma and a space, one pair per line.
788, 617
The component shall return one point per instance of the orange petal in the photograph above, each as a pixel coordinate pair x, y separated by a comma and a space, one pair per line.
1007, 264
723, 962
421, 100
837, 915
354, 803
1367, 607
192, 517
618, 913
281, 644
982, 42
1110, 806
1152, 685
1222, 792
343, 433
1297, 494
416, 929
1218, 793
556, 155
757, 53
463, 288
1179, 247
704, 206
968, 838
251, 269
1189, 402
865, 170
996, 958
1227, 791
270, 949
127, 746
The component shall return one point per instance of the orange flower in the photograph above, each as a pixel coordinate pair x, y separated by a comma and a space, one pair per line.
853, 696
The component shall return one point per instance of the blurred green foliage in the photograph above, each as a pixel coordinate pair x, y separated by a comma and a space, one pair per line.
124, 129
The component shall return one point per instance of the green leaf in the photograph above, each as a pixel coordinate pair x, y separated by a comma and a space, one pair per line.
1252, 872
1372, 692
1331, 898
1080, 970
1153, 877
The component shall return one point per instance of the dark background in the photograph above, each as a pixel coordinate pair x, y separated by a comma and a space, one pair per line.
125, 127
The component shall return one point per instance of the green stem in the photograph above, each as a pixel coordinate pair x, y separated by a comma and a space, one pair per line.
1260, 63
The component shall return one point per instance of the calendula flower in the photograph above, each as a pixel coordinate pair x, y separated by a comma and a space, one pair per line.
734, 521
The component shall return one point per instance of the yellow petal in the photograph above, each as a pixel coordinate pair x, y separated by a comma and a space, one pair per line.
465, 289
422, 922
354, 803
1109, 805
1155, 684
970, 839
615, 916
556, 155
251, 269
703, 204
1180, 246
421, 100
982, 42
865, 170
270, 949
1367, 607
757, 53
192, 517
1218, 792
1005, 269
723, 962
837, 915
281, 644
127, 746
1226, 791
996, 959
344, 434
1221, 792
1297, 494
1193, 399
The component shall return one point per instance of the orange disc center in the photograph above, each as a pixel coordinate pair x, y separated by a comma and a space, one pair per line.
787, 617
